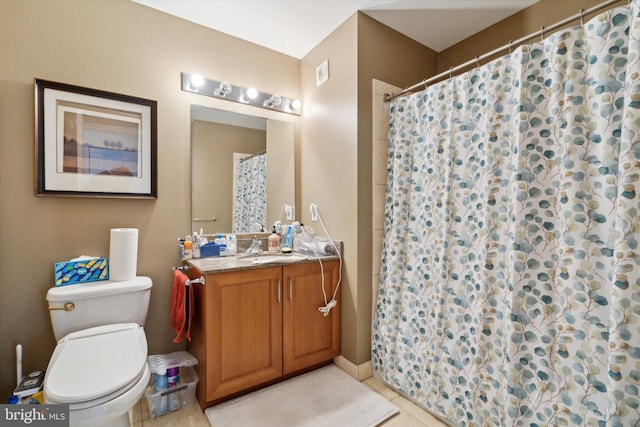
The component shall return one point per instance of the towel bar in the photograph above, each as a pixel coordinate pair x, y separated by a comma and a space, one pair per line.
199, 281
212, 219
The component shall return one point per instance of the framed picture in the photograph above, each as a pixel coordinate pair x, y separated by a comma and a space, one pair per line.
93, 143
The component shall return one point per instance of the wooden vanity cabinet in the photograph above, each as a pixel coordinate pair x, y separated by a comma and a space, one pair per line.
253, 327
236, 331
309, 337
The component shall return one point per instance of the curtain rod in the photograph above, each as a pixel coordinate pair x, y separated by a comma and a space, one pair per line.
580, 15
253, 155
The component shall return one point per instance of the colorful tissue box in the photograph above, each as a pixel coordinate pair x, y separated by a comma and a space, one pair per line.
88, 270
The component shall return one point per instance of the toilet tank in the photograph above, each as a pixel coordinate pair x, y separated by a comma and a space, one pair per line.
98, 303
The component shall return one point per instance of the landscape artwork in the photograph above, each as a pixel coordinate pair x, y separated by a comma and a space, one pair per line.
98, 144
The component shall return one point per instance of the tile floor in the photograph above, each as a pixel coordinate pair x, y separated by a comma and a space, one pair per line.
410, 414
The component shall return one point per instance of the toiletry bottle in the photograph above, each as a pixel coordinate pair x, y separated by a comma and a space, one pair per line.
222, 242
274, 241
188, 248
161, 385
196, 248
288, 243
173, 379
232, 244
181, 249
173, 376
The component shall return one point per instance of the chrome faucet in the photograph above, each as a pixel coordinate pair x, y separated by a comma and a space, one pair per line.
255, 248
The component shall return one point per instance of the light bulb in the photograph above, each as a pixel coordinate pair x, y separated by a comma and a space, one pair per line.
197, 80
252, 93
296, 104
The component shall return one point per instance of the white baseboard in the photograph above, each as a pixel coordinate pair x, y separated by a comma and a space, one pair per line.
359, 372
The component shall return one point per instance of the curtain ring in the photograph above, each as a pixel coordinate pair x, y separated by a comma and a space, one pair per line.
451, 72
541, 34
477, 64
510, 42
581, 17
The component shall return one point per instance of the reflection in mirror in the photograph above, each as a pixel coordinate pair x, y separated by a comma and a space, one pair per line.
250, 191
242, 171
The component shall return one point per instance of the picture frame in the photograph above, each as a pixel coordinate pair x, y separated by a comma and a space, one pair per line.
93, 143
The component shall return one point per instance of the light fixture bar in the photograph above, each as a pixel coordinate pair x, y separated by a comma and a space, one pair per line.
195, 83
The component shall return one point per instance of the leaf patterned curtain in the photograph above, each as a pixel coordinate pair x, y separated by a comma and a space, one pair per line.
250, 194
510, 283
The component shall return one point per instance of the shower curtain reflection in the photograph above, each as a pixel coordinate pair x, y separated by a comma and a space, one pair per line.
250, 203
510, 287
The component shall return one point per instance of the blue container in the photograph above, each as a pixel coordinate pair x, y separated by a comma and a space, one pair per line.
161, 385
209, 249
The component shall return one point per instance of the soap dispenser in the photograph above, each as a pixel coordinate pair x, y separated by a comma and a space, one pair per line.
274, 241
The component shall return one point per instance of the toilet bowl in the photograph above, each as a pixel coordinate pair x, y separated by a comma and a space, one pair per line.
99, 367
100, 372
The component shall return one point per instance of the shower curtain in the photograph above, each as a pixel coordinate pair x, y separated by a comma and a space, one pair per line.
509, 289
250, 208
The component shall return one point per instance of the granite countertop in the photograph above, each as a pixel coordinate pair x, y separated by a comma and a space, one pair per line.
247, 262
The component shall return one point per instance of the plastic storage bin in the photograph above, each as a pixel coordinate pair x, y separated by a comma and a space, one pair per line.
183, 393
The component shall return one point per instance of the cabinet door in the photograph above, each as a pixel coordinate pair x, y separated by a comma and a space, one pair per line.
243, 331
309, 336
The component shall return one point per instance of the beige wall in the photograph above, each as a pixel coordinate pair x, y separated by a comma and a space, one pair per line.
280, 170
336, 151
530, 20
120, 46
123, 47
329, 157
379, 141
386, 55
212, 152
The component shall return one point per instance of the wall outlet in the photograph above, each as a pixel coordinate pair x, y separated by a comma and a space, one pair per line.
313, 208
288, 210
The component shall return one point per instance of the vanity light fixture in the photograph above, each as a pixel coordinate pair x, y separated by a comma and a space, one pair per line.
223, 90
273, 101
195, 83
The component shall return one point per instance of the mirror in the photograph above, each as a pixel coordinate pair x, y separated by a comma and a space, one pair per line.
242, 171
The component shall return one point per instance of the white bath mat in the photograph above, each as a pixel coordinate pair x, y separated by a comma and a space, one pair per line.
324, 397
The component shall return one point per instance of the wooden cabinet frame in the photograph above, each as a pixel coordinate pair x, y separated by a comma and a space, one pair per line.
254, 327
309, 336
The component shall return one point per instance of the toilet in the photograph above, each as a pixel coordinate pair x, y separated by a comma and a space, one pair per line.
99, 366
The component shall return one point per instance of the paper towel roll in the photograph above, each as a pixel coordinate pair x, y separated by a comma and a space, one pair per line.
123, 254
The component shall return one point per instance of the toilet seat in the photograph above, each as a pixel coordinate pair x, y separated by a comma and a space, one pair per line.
89, 367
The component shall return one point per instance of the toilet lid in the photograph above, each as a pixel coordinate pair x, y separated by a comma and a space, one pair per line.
95, 362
